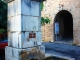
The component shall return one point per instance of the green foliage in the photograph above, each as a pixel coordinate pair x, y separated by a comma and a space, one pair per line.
45, 20
2, 31
3, 15
42, 6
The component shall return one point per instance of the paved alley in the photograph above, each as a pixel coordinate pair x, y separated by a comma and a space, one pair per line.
63, 50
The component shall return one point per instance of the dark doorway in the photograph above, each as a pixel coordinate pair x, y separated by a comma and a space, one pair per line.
65, 20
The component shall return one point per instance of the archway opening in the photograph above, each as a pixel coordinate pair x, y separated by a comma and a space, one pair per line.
64, 27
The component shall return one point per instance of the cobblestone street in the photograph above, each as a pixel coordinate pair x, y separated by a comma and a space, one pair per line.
63, 50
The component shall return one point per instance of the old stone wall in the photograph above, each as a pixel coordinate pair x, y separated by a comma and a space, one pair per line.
51, 8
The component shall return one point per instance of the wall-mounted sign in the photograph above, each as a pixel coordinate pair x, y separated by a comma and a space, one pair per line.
32, 34
56, 28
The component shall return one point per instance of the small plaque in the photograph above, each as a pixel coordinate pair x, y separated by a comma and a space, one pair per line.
32, 35
56, 28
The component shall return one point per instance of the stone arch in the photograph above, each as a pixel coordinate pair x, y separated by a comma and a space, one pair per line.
65, 20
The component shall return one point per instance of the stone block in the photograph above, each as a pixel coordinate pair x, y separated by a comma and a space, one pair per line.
8, 51
28, 53
22, 40
9, 39
16, 52
24, 23
14, 8
31, 23
42, 49
31, 8
23, 7
7, 57
15, 39
8, 24
14, 23
12, 53
35, 52
30, 42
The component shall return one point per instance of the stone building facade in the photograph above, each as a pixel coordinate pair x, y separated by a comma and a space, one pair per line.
67, 14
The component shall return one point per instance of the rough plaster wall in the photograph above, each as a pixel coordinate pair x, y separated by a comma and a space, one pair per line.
51, 9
